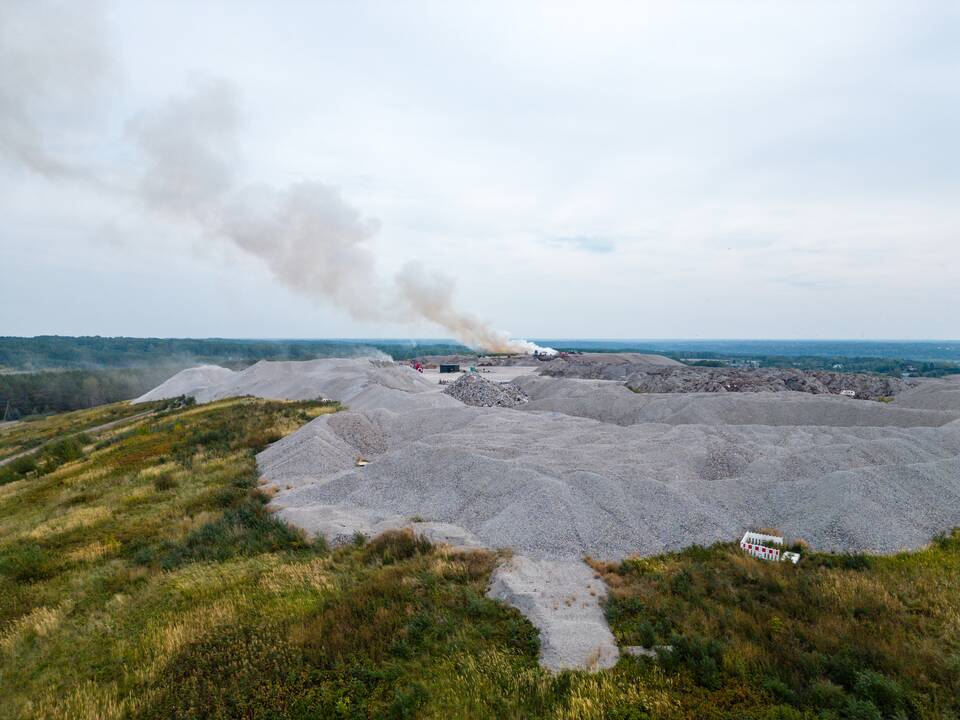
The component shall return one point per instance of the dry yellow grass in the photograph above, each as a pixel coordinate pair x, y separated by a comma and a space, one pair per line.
40, 622
190, 627
311, 574
94, 551
82, 517
86, 701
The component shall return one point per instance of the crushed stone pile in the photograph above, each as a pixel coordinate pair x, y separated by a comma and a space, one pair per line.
359, 382
933, 394
556, 486
472, 389
612, 402
188, 382
646, 377
587, 467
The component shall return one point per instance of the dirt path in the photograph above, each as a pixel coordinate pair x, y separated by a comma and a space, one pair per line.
95, 429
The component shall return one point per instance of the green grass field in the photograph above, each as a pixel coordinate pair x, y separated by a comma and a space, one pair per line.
142, 576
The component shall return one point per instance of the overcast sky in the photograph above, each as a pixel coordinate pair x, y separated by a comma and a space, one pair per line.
614, 170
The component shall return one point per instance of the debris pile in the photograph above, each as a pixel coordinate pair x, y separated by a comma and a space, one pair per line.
649, 378
472, 389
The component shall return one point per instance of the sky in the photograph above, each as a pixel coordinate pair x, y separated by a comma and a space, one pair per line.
568, 170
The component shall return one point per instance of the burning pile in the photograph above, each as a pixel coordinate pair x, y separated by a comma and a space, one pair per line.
472, 389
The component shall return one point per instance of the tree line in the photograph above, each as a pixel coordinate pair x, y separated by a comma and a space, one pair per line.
25, 394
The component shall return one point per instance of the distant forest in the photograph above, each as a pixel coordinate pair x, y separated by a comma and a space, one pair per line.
26, 394
55, 352
55, 373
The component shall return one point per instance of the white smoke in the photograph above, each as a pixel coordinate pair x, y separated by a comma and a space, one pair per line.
54, 56
308, 236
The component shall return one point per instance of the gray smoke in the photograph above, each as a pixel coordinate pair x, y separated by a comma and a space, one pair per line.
52, 57
309, 237
430, 295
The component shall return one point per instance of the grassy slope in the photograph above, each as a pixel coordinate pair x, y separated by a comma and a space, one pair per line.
145, 579
20, 436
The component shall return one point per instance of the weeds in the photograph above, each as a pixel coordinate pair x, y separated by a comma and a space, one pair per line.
835, 637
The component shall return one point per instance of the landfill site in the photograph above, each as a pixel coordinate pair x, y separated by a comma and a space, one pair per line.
602, 456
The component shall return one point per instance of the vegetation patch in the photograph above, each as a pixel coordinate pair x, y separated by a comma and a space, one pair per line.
837, 636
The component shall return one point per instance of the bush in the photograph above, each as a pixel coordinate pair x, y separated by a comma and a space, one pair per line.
883, 692
241, 671
703, 658
779, 690
243, 531
826, 695
861, 710
682, 584
164, 482
17, 469
785, 712
27, 562
396, 545
843, 561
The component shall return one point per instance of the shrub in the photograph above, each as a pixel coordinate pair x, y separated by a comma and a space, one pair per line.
243, 531
826, 695
239, 671
26, 562
406, 701
843, 561
17, 469
885, 693
843, 668
785, 712
164, 482
861, 710
682, 584
396, 545
703, 658
779, 690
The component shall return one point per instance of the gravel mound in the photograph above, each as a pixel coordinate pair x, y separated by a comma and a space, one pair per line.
587, 467
472, 389
605, 366
363, 381
933, 394
613, 402
188, 382
553, 486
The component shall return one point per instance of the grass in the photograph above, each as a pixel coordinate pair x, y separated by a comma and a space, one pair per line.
837, 636
28, 433
143, 577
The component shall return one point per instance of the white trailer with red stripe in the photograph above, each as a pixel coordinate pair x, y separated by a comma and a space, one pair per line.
762, 546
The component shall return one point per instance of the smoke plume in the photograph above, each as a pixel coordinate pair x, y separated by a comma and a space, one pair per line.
54, 54
307, 235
